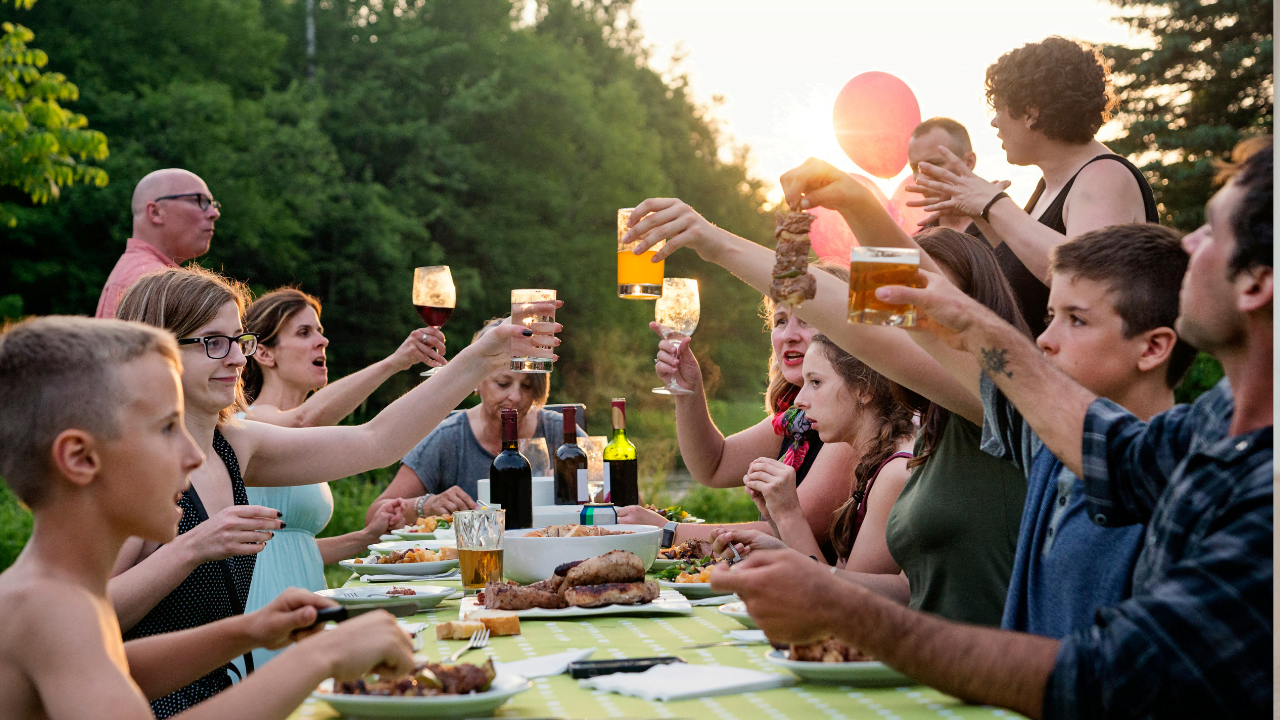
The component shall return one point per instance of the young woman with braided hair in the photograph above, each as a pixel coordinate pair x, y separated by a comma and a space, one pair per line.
847, 402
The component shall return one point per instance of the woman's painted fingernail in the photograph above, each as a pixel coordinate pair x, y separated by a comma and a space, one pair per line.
528, 333
279, 514
283, 524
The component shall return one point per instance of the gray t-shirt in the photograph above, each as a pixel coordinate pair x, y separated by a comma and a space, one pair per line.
452, 456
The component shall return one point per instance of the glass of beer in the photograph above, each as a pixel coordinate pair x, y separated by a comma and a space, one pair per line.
875, 267
479, 535
639, 278
529, 307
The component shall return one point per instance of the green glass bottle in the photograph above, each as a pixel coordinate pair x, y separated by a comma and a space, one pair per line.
621, 471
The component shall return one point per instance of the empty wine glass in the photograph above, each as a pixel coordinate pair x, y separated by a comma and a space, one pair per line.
593, 446
677, 314
535, 451
434, 297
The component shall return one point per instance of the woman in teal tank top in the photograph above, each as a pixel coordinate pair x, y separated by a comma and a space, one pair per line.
289, 365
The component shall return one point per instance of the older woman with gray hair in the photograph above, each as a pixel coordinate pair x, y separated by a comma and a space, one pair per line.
440, 475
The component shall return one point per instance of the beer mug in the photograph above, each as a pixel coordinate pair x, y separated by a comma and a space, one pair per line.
875, 267
479, 534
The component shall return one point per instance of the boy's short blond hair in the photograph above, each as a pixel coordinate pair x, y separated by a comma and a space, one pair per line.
182, 300
58, 373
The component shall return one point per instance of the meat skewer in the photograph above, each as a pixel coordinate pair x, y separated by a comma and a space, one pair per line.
792, 284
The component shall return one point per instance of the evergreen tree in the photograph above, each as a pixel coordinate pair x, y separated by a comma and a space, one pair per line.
1205, 80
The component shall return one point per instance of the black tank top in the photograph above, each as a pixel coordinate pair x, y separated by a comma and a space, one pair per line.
1031, 293
202, 598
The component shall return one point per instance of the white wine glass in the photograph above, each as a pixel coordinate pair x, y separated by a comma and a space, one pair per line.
434, 297
677, 314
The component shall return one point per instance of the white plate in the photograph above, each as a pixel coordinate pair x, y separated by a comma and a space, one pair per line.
869, 673
428, 596
738, 611
667, 603
693, 591
438, 706
422, 568
406, 534
401, 545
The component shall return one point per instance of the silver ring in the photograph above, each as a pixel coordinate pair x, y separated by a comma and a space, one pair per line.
424, 337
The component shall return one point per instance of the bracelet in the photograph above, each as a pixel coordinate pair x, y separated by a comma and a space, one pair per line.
987, 209
417, 507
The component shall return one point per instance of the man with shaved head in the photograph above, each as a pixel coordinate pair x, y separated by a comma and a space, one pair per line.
173, 215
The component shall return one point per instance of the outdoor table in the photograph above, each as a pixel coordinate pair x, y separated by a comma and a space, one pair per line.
624, 636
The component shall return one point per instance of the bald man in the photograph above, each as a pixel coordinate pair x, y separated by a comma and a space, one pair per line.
173, 215
924, 145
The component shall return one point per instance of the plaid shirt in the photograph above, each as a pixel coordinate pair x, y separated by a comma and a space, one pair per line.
1194, 640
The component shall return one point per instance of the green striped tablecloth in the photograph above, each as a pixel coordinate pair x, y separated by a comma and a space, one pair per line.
631, 636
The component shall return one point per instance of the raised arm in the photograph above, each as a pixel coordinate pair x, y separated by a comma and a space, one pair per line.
819, 184
1104, 193
299, 456
340, 398
889, 351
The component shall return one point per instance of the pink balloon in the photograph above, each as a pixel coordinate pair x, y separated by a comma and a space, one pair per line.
908, 218
874, 115
830, 236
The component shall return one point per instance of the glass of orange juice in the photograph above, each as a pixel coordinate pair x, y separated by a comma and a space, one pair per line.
639, 278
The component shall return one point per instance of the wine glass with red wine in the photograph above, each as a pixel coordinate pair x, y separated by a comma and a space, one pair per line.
434, 297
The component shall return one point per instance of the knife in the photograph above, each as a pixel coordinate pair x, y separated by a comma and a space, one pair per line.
342, 612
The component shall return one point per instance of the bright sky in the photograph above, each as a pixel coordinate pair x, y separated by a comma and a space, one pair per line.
779, 66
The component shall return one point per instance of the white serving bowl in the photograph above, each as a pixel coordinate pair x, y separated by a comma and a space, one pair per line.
528, 560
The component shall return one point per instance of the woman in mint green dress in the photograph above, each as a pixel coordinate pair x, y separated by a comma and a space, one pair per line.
289, 365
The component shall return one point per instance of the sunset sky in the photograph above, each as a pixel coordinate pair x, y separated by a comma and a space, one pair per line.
779, 66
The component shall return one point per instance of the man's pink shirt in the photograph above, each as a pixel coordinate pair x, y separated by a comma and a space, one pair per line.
139, 258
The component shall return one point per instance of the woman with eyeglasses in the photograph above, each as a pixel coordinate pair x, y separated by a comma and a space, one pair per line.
288, 367
205, 573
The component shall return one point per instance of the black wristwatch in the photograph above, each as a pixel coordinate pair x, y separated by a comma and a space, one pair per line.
669, 533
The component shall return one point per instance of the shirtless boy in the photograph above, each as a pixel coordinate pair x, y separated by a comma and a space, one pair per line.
92, 440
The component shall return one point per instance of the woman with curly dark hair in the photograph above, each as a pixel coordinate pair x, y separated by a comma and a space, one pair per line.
1050, 98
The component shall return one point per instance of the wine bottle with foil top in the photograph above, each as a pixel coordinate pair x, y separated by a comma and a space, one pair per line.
621, 472
511, 478
571, 464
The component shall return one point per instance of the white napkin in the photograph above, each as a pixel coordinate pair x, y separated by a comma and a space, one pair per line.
680, 681
413, 628
717, 600
748, 635
407, 578
545, 666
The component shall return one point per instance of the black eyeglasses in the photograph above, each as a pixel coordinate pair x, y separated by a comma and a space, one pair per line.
201, 200
219, 346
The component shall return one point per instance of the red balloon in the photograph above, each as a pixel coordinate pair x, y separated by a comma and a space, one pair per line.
874, 115
908, 218
830, 235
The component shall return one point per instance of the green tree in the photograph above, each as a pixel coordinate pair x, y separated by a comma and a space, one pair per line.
43, 146
1202, 78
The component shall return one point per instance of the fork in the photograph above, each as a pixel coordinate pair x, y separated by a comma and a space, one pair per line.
479, 639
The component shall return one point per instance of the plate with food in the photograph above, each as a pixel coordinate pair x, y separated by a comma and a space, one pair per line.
831, 661
609, 584
688, 550
433, 691
419, 561
402, 545
691, 578
675, 513
738, 611
426, 596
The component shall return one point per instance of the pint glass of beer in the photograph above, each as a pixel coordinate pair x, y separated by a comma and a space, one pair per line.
638, 277
479, 535
875, 267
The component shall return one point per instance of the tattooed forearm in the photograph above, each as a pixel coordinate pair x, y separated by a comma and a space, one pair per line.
996, 361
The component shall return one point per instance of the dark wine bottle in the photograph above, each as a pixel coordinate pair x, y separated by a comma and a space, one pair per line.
510, 477
621, 472
571, 464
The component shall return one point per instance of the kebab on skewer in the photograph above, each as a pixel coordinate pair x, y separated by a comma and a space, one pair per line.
792, 284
